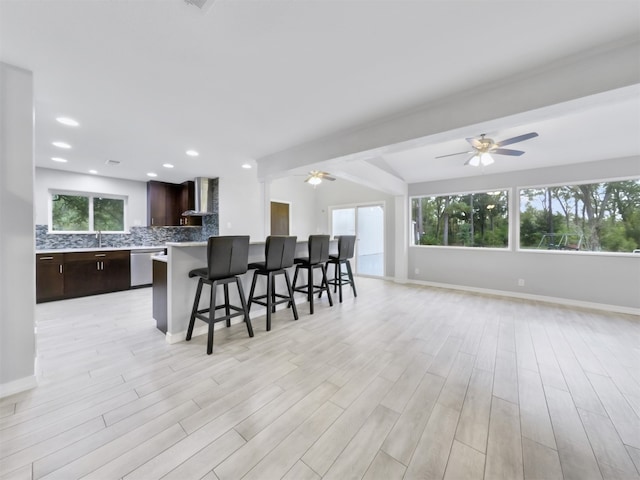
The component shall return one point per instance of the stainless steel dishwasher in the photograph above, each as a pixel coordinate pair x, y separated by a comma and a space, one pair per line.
141, 266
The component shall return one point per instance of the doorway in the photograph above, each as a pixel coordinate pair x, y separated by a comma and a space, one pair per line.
366, 222
279, 218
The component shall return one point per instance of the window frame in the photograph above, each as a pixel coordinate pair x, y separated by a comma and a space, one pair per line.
536, 251
510, 206
90, 196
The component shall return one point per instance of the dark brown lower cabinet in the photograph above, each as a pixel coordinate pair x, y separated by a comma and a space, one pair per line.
159, 292
84, 273
49, 277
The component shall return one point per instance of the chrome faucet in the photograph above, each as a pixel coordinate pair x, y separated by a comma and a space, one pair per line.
99, 237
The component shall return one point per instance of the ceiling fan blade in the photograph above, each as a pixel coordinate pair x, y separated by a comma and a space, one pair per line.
331, 179
507, 151
452, 154
520, 138
475, 143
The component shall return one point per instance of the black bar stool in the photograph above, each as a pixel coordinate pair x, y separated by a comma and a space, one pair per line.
318, 256
227, 258
278, 254
346, 246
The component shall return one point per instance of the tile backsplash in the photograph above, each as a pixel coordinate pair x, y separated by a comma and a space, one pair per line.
138, 236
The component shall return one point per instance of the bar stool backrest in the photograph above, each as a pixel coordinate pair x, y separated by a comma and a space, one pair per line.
318, 248
227, 256
346, 246
279, 252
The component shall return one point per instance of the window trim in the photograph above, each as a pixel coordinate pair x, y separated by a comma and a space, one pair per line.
510, 206
91, 196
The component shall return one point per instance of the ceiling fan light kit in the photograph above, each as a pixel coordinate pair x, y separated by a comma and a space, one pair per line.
483, 148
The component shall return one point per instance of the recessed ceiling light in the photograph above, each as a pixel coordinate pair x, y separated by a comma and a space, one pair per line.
246, 165
167, 165
68, 121
151, 174
192, 153
60, 160
61, 144
93, 171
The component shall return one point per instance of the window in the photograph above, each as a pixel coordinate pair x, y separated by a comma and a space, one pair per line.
86, 213
479, 219
599, 217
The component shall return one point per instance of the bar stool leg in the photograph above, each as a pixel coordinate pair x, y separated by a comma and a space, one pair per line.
310, 288
253, 288
293, 287
227, 310
290, 290
336, 275
212, 316
273, 292
243, 302
326, 283
269, 300
196, 302
353, 284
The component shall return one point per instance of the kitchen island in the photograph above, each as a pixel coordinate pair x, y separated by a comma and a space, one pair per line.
182, 257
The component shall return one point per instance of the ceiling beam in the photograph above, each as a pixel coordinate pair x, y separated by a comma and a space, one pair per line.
613, 66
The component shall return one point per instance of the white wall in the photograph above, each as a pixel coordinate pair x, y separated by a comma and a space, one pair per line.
241, 206
586, 278
302, 198
17, 245
47, 179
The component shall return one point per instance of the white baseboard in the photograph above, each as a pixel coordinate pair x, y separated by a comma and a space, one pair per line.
17, 386
538, 298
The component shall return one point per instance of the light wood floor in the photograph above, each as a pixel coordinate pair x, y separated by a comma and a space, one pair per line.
402, 382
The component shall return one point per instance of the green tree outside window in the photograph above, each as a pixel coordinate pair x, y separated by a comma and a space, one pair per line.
86, 213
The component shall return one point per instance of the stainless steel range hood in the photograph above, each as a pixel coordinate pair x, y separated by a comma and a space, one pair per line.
205, 197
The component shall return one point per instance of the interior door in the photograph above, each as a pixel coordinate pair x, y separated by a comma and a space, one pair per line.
279, 218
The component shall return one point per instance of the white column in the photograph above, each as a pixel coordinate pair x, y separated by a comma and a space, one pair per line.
17, 242
402, 227
265, 190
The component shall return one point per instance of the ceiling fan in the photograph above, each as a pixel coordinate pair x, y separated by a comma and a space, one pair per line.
483, 147
316, 176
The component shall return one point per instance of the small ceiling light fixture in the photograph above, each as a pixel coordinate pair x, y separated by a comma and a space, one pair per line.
59, 160
483, 159
486, 159
151, 174
94, 172
192, 153
167, 165
246, 166
67, 121
315, 181
61, 145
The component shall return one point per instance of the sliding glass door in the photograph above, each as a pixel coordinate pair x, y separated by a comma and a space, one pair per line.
366, 222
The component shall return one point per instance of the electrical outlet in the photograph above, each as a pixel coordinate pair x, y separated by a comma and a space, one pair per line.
521, 282
416, 271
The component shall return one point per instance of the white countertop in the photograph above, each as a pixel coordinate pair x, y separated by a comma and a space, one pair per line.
202, 244
97, 249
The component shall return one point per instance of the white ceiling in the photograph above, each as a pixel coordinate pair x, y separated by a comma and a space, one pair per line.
148, 80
